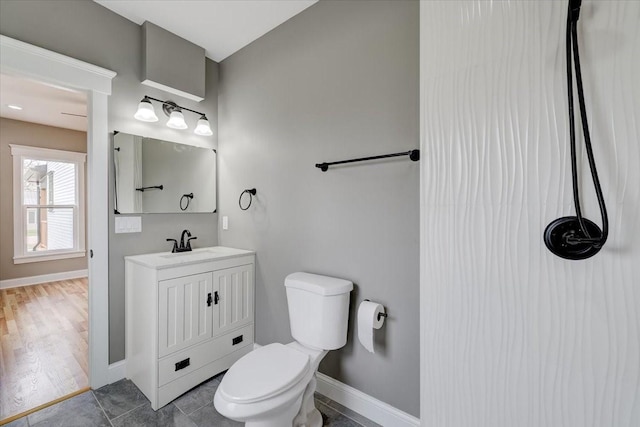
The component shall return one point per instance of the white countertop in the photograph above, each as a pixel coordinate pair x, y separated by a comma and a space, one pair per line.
162, 260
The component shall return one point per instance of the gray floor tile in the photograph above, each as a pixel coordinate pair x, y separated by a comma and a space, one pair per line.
79, 411
209, 417
197, 397
119, 398
20, 422
364, 421
145, 416
333, 418
220, 376
127, 406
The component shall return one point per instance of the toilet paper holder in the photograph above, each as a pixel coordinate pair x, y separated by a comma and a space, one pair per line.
379, 314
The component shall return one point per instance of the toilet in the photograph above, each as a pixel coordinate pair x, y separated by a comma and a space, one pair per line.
273, 386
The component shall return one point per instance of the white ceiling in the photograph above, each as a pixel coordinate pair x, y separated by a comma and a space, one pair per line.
41, 103
221, 27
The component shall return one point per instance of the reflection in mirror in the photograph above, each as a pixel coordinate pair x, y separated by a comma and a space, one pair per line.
154, 176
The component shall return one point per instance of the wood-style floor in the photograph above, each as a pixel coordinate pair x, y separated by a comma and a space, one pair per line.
44, 338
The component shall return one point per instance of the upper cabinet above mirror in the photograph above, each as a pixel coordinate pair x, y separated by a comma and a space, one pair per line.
154, 176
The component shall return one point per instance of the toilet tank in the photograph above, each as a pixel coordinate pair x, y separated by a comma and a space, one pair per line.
318, 310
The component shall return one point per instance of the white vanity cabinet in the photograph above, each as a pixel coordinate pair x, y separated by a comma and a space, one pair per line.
189, 316
184, 312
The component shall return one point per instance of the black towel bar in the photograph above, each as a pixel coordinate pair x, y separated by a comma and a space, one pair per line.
413, 155
154, 187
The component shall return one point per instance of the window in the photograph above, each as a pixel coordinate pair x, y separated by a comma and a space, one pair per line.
48, 224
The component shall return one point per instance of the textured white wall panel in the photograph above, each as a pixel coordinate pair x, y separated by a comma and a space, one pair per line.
511, 334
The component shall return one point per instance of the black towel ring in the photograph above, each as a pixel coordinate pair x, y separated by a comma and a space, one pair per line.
188, 197
252, 192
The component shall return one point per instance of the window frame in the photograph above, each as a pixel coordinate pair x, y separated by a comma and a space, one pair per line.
19, 153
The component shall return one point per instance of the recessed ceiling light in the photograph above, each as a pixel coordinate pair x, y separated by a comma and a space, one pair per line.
14, 107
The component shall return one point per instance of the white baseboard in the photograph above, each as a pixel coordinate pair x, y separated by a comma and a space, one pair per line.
117, 371
34, 280
370, 407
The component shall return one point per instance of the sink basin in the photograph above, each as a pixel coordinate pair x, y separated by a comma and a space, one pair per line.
198, 253
179, 254
165, 260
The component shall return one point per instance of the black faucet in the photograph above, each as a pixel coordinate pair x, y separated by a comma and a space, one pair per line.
187, 246
184, 247
175, 245
188, 233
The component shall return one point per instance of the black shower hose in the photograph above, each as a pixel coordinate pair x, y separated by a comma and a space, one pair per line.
572, 36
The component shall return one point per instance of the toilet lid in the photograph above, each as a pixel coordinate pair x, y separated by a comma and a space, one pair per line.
265, 372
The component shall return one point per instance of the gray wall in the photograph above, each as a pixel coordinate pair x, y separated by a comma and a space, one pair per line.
187, 71
87, 31
339, 80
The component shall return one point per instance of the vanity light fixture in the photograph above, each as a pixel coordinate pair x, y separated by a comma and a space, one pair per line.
176, 120
146, 113
203, 127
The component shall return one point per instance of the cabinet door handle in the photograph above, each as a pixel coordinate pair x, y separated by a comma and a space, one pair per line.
216, 297
183, 364
209, 299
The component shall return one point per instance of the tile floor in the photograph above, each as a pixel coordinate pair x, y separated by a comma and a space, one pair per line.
122, 404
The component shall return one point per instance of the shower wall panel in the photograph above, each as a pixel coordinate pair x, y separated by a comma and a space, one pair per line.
511, 334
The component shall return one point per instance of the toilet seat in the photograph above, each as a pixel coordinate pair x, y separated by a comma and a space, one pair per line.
264, 373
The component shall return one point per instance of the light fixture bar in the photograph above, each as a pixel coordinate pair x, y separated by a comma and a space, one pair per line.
174, 105
146, 113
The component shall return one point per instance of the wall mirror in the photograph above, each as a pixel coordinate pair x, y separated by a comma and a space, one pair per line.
155, 176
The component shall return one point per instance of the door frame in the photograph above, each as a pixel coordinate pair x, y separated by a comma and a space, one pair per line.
22, 59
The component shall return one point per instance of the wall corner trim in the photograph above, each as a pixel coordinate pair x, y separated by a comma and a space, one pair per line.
370, 407
44, 278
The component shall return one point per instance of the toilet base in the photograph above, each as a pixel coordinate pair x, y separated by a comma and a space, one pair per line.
314, 419
282, 419
308, 416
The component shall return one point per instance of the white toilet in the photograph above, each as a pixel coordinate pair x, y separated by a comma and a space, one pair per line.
273, 385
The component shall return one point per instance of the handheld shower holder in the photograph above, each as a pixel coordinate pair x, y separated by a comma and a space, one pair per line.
564, 238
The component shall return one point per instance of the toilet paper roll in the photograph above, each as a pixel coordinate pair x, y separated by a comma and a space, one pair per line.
368, 321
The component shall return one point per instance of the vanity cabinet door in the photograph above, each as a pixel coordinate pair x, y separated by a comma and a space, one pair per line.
185, 308
234, 307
